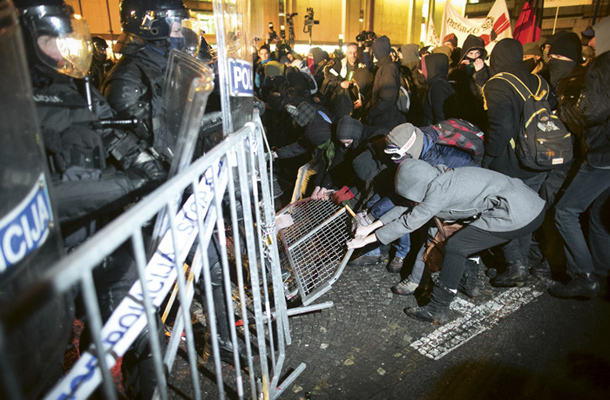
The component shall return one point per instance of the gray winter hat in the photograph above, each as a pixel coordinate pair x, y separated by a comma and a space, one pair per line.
413, 178
408, 138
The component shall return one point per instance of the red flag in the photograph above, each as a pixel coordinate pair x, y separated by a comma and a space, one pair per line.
529, 24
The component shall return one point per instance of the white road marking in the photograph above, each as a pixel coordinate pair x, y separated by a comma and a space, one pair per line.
475, 320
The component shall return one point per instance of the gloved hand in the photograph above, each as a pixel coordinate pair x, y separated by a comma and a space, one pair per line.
341, 195
150, 174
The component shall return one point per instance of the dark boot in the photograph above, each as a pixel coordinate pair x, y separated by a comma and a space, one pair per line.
437, 311
225, 348
395, 266
584, 285
468, 284
515, 275
541, 270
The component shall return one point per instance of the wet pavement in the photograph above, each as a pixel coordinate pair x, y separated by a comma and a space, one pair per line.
507, 344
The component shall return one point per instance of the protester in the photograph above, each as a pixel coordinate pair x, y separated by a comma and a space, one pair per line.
495, 209
591, 185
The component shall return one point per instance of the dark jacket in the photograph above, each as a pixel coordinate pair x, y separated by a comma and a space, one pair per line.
504, 109
567, 93
383, 111
83, 186
594, 107
134, 88
316, 133
441, 101
342, 172
468, 83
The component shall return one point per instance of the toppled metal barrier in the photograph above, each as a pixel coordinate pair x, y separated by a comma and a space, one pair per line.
313, 247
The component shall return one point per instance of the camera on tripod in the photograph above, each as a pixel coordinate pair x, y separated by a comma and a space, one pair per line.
272, 34
309, 20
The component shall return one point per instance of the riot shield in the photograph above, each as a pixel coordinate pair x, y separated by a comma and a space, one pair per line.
188, 85
32, 347
234, 62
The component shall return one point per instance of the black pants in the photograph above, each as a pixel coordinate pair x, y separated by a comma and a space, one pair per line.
471, 240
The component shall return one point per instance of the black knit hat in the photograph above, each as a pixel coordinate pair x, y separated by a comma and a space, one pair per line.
569, 45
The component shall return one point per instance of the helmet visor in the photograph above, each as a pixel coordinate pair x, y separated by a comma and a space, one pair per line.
184, 34
64, 44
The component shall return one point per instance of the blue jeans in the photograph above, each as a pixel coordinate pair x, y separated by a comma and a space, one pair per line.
382, 206
589, 186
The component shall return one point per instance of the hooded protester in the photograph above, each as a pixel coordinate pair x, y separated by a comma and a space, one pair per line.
590, 188
565, 55
532, 58
470, 76
415, 80
504, 109
383, 111
362, 87
495, 210
441, 101
404, 142
567, 78
354, 138
316, 139
316, 61
410, 55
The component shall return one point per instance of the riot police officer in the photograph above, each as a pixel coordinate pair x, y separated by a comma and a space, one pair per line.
96, 169
100, 64
134, 89
151, 28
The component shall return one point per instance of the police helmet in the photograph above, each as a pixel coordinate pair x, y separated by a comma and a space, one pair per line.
99, 44
57, 39
151, 19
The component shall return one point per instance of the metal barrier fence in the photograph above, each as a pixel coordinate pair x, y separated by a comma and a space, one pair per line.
314, 245
232, 199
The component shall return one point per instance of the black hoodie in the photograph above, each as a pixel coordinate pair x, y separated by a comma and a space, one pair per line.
504, 109
441, 102
383, 111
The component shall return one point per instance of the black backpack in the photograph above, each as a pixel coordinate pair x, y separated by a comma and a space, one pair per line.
544, 142
404, 96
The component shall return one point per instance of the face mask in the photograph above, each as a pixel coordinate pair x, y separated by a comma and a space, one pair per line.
396, 153
530, 64
311, 64
177, 43
559, 69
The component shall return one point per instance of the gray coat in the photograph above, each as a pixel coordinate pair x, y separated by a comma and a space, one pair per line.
496, 202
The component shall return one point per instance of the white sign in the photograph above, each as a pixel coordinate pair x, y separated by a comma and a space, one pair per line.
493, 28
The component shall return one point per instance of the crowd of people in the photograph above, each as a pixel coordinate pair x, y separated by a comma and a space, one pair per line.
407, 136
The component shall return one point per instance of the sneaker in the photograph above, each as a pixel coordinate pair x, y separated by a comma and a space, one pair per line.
405, 287
365, 260
395, 266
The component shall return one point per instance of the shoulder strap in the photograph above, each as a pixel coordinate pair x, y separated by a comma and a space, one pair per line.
516, 83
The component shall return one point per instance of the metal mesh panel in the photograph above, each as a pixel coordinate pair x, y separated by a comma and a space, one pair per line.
314, 246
